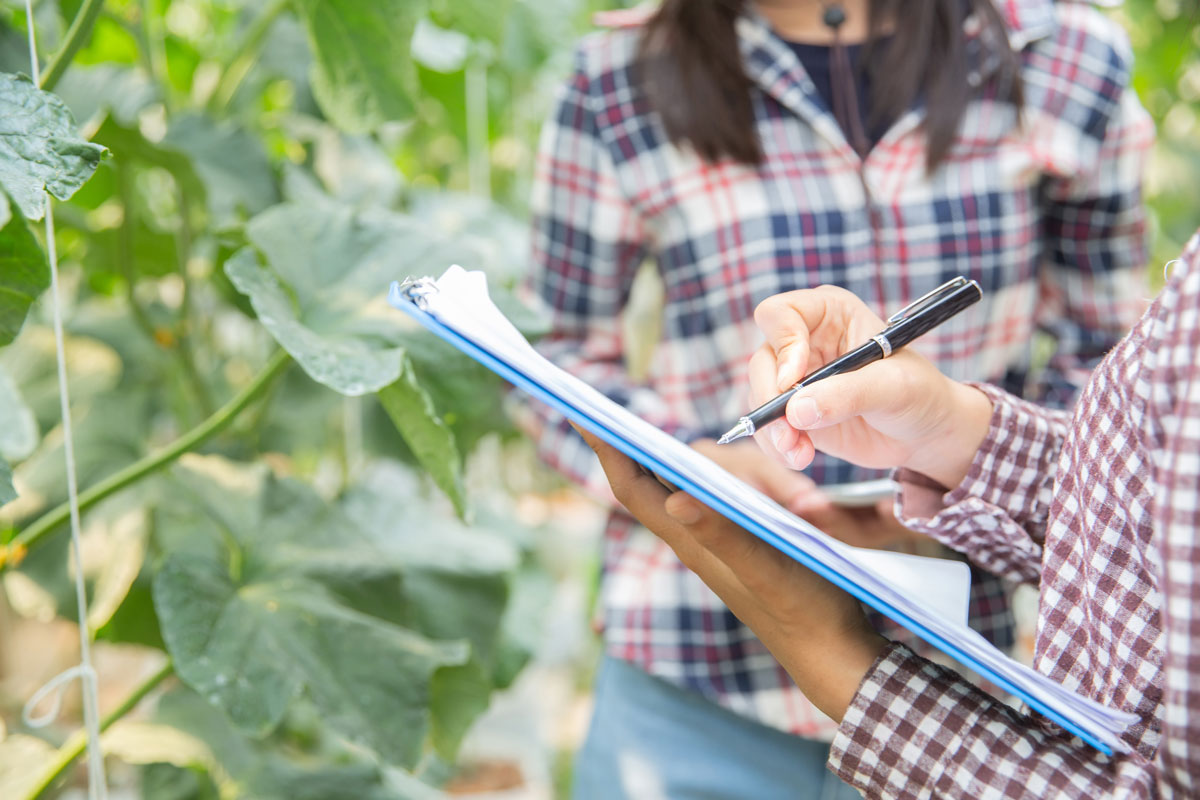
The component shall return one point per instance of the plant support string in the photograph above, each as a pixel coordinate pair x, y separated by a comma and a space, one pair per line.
97, 782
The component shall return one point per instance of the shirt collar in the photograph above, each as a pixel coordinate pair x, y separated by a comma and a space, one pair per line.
1027, 20
774, 67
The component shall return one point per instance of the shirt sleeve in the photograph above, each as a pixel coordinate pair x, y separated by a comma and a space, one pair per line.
1091, 282
916, 729
588, 243
997, 516
1176, 403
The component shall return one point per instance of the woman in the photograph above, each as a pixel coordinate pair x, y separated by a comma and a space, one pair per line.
1103, 506
998, 142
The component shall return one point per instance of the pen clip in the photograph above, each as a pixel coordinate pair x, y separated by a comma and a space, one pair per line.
417, 290
926, 299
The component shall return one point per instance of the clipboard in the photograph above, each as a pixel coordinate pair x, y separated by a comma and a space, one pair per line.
412, 297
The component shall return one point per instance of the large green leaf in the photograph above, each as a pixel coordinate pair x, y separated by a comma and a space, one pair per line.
24, 273
251, 647
263, 772
231, 163
269, 593
320, 293
430, 438
362, 74
463, 390
39, 149
91, 90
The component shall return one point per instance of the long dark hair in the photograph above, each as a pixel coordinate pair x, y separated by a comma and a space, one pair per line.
689, 65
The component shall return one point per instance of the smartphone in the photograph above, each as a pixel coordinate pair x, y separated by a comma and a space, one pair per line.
861, 493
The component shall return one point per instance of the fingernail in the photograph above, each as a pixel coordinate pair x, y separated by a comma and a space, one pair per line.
776, 435
803, 412
793, 459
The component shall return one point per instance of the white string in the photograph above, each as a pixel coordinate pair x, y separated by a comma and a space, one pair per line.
97, 782
1169, 268
56, 685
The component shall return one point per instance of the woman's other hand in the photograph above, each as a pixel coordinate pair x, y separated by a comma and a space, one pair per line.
873, 526
744, 460
817, 631
900, 411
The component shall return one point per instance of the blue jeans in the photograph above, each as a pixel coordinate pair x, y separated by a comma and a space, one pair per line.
650, 740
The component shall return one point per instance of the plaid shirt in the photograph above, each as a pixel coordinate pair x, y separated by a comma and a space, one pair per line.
1105, 508
1045, 214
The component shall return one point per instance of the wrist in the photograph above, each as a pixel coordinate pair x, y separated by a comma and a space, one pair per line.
830, 671
947, 454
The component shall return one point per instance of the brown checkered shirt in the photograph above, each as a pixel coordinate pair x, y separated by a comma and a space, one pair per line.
1103, 506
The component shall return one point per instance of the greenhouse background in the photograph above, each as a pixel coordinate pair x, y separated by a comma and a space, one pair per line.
267, 455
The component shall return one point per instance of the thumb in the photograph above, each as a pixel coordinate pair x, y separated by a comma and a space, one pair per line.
839, 398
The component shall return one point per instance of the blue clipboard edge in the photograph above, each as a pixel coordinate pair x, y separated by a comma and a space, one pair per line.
514, 376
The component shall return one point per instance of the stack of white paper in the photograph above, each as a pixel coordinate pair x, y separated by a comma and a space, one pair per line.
928, 596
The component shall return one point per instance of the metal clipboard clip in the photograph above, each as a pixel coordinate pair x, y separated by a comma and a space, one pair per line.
927, 298
417, 290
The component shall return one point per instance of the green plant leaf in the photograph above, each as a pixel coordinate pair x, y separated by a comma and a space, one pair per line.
531, 593
129, 146
39, 149
18, 427
252, 647
321, 291
466, 391
24, 272
268, 592
230, 161
267, 772
431, 440
7, 492
459, 696
91, 90
362, 75
480, 19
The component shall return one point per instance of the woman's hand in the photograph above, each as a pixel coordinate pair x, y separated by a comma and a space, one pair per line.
862, 527
900, 411
873, 526
817, 631
783, 485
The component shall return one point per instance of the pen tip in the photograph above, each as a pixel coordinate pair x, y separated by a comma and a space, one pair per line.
744, 428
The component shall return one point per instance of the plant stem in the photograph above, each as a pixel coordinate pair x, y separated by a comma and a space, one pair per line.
44, 524
246, 54
77, 742
155, 53
125, 250
77, 34
185, 350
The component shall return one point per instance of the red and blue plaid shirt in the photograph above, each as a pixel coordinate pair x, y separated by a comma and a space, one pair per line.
1043, 210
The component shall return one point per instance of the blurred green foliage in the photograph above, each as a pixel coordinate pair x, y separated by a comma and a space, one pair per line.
269, 166
1165, 35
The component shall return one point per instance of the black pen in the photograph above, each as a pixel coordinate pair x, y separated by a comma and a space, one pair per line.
905, 325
